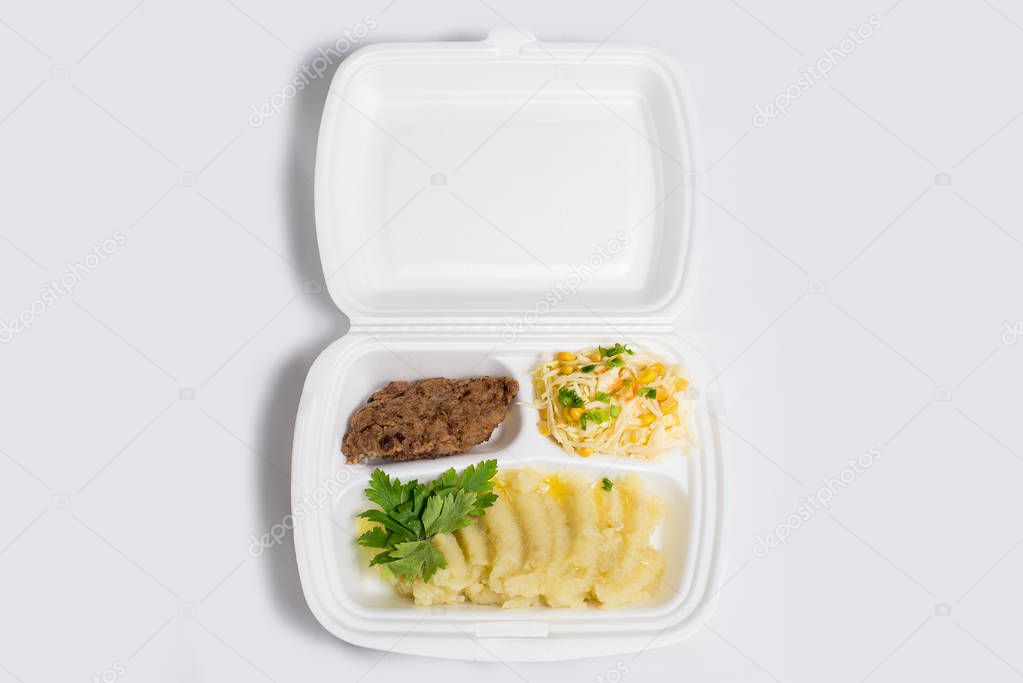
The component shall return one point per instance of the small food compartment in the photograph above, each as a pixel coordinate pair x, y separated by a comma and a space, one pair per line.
379, 367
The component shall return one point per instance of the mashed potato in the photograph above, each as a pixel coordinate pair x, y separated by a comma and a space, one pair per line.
559, 540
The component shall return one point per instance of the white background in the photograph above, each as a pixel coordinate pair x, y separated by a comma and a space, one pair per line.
127, 506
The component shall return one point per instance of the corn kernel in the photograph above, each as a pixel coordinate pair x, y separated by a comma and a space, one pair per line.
647, 419
669, 406
658, 368
595, 356
585, 452
543, 427
566, 369
647, 376
575, 413
565, 355
682, 384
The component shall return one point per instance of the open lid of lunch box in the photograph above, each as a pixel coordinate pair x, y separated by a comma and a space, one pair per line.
504, 180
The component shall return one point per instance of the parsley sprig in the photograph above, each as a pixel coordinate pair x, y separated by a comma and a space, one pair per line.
411, 514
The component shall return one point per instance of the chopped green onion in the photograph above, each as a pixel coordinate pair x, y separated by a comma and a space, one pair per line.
570, 399
598, 416
615, 350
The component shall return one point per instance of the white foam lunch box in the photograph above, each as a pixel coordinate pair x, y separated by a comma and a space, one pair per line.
480, 205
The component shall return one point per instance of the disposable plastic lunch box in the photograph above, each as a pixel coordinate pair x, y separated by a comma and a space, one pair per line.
479, 205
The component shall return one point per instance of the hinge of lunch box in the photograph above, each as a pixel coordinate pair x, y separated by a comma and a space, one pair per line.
512, 330
508, 41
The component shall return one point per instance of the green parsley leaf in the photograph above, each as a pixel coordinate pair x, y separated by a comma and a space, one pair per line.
568, 398
388, 522
415, 558
381, 558
386, 493
410, 515
588, 368
648, 392
602, 397
615, 362
607, 484
444, 514
478, 478
377, 537
446, 482
615, 411
482, 503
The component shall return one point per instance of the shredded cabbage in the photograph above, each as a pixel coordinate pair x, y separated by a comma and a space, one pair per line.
621, 415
